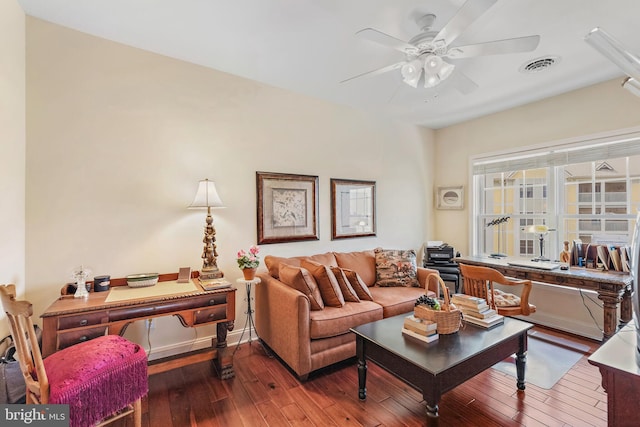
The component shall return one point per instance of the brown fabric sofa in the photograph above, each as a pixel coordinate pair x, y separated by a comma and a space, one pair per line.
306, 339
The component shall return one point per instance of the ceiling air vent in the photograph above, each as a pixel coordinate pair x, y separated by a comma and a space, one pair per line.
539, 64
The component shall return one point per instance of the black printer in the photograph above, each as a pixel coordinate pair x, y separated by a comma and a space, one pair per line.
441, 258
440, 254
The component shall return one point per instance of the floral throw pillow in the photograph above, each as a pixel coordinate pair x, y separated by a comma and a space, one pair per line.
396, 267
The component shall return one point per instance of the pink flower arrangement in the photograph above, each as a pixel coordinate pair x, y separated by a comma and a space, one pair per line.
249, 259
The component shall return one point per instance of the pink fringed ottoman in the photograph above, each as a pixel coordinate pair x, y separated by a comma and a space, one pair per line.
97, 378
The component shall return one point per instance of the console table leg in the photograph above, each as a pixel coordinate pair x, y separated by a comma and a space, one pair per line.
224, 359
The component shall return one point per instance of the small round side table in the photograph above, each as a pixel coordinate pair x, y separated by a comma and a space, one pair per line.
249, 320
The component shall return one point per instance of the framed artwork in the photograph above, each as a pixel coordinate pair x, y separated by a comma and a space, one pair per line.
353, 208
287, 207
450, 197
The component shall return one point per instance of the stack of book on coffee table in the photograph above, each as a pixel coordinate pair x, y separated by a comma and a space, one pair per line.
422, 329
476, 311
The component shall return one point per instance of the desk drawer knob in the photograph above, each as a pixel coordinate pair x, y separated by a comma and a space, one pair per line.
83, 338
212, 302
84, 322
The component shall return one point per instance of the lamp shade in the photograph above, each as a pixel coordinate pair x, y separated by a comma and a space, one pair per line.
206, 196
539, 228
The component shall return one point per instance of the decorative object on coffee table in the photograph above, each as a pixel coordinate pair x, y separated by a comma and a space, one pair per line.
249, 262
207, 197
287, 207
445, 314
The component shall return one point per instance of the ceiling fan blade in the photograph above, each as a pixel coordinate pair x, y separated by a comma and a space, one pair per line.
462, 83
469, 12
378, 71
519, 44
386, 40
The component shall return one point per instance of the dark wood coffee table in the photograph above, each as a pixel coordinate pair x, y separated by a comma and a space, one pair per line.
437, 367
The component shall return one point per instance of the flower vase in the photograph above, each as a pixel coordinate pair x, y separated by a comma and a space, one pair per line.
249, 273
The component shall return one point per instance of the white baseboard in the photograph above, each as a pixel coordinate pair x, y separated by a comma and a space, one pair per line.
196, 344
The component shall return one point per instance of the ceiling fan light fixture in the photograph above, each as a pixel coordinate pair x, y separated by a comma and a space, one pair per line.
411, 72
445, 70
431, 80
432, 64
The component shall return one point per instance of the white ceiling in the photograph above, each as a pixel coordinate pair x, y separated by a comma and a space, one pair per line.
309, 46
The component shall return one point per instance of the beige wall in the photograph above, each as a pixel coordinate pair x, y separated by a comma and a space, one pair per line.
118, 139
598, 108
12, 148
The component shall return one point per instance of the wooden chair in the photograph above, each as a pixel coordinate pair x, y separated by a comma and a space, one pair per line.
101, 380
478, 281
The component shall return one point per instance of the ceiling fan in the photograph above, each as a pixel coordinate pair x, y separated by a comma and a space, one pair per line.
427, 53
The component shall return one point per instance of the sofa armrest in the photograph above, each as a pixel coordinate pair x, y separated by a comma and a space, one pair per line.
282, 318
433, 285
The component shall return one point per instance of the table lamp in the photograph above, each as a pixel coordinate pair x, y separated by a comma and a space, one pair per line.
207, 197
542, 230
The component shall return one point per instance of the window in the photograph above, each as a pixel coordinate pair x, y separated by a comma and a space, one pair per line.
585, 189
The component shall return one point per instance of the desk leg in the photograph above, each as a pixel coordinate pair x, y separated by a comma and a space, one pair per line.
610, 308
224, 359
626, 309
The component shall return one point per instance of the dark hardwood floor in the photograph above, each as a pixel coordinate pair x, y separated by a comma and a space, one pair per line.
265, 393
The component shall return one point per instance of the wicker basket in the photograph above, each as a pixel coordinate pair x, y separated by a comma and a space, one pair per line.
448, 319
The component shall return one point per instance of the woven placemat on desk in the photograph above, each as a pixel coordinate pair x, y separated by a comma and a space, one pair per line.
124, 293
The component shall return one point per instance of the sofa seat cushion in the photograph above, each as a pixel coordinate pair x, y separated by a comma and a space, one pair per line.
363, 262
333, 321
397, 300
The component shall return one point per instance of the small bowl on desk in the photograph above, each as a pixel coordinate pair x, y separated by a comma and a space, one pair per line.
142, 280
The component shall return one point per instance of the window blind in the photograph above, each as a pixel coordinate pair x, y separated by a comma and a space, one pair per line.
588, 150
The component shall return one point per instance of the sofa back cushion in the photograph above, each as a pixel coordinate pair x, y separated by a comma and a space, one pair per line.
327, 282
300, 279
396, 267
363, 262
358, 285
347, 290
326, 258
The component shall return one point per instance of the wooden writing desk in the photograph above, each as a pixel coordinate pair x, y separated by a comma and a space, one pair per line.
70, 320
613, 288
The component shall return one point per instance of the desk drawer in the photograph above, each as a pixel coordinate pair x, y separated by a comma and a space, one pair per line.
210, 314
81, 320
167, 307
67, 339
